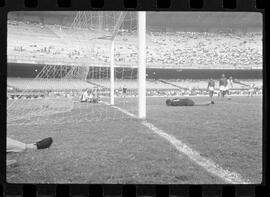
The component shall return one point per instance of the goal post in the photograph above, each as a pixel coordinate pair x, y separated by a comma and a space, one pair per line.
142, 64
141, 15
105, 53
112, 74
141, 33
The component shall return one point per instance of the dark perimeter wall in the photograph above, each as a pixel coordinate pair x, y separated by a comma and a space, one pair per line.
30, 71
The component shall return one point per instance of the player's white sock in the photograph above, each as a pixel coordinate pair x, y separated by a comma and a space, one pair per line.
31, 146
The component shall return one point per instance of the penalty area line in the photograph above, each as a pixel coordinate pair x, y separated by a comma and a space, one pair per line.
209, 165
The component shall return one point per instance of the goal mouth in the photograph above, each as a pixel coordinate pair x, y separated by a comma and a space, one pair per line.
95, 56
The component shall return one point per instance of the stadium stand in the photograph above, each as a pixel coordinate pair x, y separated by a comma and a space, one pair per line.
178, 49
58, 44
204, 48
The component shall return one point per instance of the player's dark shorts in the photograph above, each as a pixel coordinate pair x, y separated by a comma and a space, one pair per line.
180, 102
124, 90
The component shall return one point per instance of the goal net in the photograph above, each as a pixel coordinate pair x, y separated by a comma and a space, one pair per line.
99, 61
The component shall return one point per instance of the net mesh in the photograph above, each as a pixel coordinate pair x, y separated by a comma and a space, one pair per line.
54, 94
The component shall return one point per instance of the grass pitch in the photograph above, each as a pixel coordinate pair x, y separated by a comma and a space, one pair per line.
94, 143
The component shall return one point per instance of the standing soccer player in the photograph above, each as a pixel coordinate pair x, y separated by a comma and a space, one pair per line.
222, 85
251, 90
211, 88
124, 91
229, 86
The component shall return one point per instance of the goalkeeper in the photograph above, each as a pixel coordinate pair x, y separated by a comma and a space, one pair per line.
184, 102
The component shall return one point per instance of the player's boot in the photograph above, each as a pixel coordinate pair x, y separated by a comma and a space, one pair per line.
45, 143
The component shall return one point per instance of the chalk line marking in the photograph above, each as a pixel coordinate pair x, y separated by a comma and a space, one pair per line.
209, 165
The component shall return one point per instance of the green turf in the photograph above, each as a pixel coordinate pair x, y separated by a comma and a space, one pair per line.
98, 144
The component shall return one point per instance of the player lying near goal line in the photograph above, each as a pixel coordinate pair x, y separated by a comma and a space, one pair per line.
89, 96
184, 102
14, 146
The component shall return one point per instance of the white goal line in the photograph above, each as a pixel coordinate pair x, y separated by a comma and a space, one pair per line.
207, 164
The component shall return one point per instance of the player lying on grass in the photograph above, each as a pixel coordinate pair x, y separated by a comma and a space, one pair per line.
184, 102
89, 96
15, 146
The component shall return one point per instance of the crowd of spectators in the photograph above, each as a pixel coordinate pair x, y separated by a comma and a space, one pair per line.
163, 48
203, 48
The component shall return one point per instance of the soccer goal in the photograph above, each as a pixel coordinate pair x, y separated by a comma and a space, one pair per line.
101, 56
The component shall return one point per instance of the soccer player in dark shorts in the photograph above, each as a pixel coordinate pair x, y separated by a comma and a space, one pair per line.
184, 102
211, 88
124, 91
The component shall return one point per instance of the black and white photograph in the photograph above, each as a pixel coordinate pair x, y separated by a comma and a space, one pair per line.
134, 97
